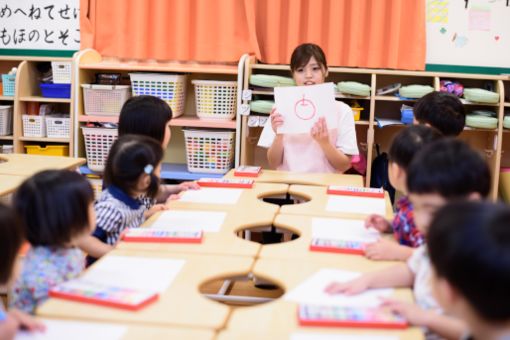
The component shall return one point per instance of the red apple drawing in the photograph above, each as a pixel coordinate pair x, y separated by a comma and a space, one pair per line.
305, 109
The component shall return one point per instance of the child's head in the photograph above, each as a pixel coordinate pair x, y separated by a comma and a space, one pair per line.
55, 207
133, 165
442, 111
469, 247
308, 65
443, 171
405, 145
146, 115
11, 239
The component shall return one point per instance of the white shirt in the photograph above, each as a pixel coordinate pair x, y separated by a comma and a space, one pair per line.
419, 264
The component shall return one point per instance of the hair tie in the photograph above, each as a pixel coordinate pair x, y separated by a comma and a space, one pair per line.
148, 169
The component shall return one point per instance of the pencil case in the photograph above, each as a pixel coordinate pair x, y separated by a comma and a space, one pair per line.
481, 122
261, 106
267, 80
481, 96
354, 88
415, 91
506, 122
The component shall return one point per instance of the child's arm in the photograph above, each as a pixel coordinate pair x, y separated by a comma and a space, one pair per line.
154, 209
395, 276
93, 246
168, 190
15, 320
336, 158
378, 222
388, 250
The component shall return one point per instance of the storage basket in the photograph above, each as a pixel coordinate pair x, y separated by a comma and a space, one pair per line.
58, 126
55, 90
209, 151
215, 99
34, 126
169, 87
7, 148
98, 142
5, 120
97, 185
50, 150
105, 100
9, 84
61, 72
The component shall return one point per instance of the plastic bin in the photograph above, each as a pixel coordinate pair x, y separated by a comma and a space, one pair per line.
97, 185
50, 150
105, 100
98, 142
5, 120
8, 84
215, 99
58, 126
55, 90
61, 72
169, 87
209, 151
34, 126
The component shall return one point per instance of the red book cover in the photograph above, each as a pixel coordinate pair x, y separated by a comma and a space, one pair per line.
148, 235
355, 191
225, 183
337, 246
247, 171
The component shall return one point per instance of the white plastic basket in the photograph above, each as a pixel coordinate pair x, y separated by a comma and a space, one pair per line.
169, 87
105, 100
5, 120
97, 186
98, 142
34, 126
209, 151
58, 126
61, 72
215, 99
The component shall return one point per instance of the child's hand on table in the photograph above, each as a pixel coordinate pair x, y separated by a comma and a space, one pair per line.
377, 222
353, 287
25, 321
191, 185
154, 209
383, 250
413, 313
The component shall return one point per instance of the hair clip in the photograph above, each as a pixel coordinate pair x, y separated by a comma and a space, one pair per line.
148, 169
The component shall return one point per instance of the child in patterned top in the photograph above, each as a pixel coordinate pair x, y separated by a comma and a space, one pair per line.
131, 174
11, 239
404, 146
56, 211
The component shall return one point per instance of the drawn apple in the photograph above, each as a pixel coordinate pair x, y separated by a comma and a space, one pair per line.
305, 109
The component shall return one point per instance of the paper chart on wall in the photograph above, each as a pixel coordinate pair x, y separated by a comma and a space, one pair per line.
212, 195
301, 106
312, 291
190, 220
345, 336
356, 205
343, 229
64, 330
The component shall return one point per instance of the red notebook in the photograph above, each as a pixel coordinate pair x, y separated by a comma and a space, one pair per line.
99, 294
161, 236
247, 171
362, 317
355, 191
337, 246
225, 183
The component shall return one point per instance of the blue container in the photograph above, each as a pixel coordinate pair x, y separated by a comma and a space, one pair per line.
56, 90
407, 116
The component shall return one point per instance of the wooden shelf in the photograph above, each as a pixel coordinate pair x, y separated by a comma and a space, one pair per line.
393, 99
6, 97
507, 104
44, 99
44, 139
6, 137
98, 119
468, 128
162, 67
467, 102
361, 122
187, 121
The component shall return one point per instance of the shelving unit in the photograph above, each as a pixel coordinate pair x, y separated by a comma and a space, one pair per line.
489, 141
89, 62
505, 135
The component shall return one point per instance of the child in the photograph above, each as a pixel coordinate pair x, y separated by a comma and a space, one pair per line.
404, 146
445, 170
325, 148
471, 278
150, 116
56, 210
441, 110
11, 239
131, 172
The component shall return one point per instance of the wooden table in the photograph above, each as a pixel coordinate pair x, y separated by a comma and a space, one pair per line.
9, 183
414, 334
180, 305
27, 165
280, 315
317, 202
289, 177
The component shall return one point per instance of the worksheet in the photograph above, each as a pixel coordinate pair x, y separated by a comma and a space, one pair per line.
190, 220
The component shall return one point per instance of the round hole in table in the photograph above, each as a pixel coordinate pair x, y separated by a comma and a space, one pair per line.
282, 200
267, 234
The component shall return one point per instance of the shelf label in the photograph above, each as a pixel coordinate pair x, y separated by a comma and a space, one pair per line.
247, 94
245, 109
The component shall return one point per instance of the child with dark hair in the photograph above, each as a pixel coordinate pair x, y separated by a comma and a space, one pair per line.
326, 148
443, 171
469, 247
403, 148
131, 173
56, 212
441, 110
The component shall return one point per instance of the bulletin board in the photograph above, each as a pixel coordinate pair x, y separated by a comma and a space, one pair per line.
39, 27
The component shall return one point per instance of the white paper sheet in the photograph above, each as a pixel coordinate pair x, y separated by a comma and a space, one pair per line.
142, 273
343, 229
301, 106
356, 205
312, 291
212, 195
65, 330
322, 336
190, 220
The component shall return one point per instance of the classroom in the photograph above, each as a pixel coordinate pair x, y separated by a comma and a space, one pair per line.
254, 169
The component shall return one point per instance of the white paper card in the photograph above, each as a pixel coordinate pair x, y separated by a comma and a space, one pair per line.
312, 291
345, 336
212, 195
343, 229
190, 220
141, 273
356, 205
301, 106
65, 330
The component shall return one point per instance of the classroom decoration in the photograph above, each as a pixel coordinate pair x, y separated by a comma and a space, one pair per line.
481, 96
415, 91
215, 99
354, 88
267, 80
262, 106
